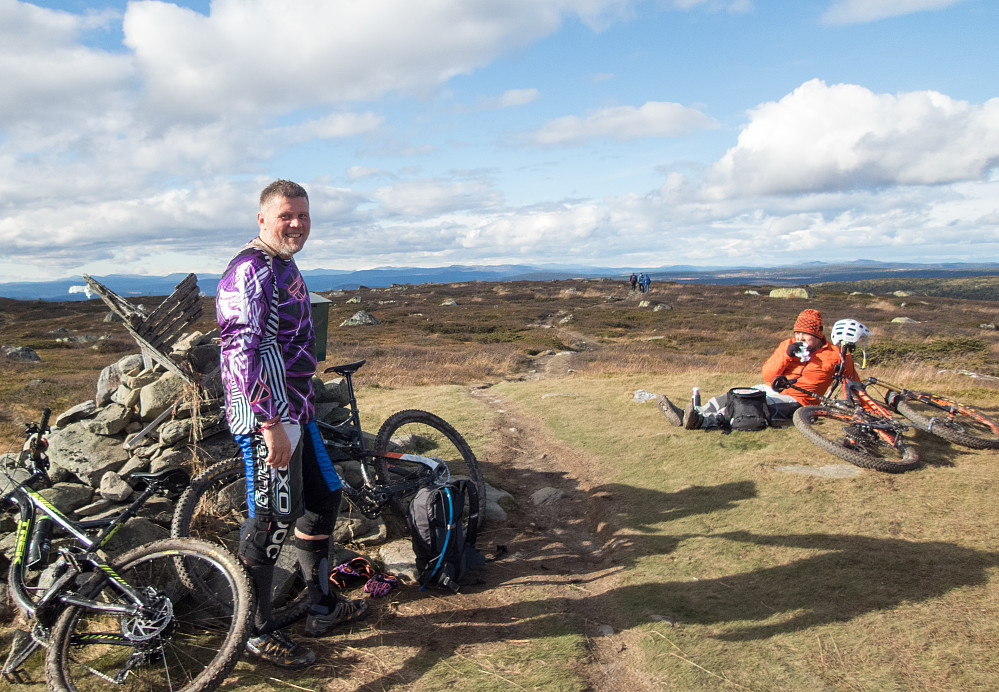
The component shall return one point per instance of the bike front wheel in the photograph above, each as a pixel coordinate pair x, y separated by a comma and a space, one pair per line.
951, 420
425, 434
213, 508
180, 639
838, 433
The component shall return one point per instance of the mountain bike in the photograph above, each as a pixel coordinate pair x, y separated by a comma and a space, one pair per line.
855, 428
129, 622
949, 419
412, 450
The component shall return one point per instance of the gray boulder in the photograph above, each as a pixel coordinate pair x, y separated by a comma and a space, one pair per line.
111, 420
21, 353
175, 431
114, 488
399, 559
68, 497
331, 392
135, 532
84, 454
360, 317
75, 413
158, 396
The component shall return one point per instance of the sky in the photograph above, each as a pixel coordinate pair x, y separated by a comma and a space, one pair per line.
135, 136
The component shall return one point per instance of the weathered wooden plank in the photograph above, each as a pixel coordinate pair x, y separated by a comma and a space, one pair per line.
185, 288
173, 331
153, 328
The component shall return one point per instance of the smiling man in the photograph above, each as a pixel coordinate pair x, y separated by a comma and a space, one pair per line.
268, 361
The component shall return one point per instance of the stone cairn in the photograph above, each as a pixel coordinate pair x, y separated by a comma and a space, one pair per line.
149, 419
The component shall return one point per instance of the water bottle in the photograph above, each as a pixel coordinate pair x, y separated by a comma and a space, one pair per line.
40, 544
695, 397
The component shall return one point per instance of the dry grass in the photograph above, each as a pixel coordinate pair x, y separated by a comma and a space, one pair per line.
715, 569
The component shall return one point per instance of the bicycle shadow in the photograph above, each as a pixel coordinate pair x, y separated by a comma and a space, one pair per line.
854, 575
936, 451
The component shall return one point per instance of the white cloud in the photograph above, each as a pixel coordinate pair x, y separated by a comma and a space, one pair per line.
859, 11
48, 76
336, 125
258, 55
517, 97
653, 119
733, 6
825, 138
361, 172
421, 198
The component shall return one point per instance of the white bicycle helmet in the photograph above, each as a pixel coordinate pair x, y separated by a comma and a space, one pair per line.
848, 332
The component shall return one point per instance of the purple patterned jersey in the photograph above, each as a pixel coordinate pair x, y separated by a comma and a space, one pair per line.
267, 341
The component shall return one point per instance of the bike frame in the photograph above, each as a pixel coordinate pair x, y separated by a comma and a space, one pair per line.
372, 496
79, 559
30, 503
866, 413
947, 406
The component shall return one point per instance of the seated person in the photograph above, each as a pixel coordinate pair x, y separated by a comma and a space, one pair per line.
807, 356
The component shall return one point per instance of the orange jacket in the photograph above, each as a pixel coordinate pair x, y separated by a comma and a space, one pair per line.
816, 375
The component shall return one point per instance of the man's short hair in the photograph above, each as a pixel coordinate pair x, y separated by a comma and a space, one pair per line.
282, 188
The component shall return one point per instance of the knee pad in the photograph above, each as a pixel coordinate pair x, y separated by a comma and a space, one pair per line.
260, 541
315, 524
321, 522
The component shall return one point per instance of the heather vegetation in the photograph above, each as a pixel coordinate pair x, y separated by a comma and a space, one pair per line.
672, 559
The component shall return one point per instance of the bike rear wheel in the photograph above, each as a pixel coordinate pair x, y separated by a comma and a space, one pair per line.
837, 432
184, 639
425, 434
213, 508
951, 420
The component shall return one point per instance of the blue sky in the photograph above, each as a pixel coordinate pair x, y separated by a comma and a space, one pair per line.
134, 137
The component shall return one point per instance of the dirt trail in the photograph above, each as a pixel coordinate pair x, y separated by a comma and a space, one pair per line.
560, 564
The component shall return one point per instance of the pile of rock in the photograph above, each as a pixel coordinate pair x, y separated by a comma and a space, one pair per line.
147, 419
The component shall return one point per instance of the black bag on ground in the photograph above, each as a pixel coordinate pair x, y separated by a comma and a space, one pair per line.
443, 537
746, 409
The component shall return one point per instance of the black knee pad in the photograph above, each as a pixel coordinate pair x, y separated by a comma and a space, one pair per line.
313, 524
260, 541
320, 520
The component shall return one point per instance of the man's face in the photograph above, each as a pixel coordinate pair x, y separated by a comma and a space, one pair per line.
284, 224
812, 342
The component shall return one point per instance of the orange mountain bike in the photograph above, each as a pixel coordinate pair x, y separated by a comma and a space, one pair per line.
942, 416
855, 428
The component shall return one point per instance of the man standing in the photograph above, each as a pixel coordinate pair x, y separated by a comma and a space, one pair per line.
268, 360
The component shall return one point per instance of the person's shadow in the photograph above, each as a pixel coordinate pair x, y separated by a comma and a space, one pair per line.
846, 577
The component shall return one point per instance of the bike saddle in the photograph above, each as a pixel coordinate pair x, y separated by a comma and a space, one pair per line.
346, 368
173, 480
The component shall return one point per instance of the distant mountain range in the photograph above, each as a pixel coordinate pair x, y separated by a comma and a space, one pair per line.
332, 279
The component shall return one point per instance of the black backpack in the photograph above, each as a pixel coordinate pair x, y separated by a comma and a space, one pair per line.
443, 538
746, 409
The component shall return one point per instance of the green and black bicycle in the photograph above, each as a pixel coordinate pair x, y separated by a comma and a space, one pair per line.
132, 622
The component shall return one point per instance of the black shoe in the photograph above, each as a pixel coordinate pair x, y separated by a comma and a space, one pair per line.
672, 412
691, 418
280, 650
345, 610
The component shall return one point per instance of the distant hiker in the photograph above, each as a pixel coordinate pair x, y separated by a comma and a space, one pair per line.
267, 365
633, 280
807, 356
646, 282
641, 282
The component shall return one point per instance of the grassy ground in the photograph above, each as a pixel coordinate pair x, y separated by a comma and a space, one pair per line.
675, 560
735, 572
